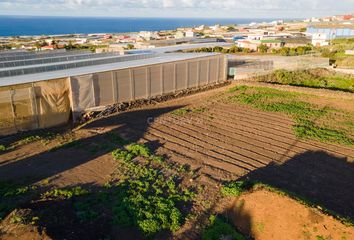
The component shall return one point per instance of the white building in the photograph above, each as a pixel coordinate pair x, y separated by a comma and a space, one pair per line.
320, 39
201, 28
216, 27
81, 40
146, 35
255, 37
190, 34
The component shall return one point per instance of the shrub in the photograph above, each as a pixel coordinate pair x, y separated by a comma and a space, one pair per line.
65, 193
234, 188
2, 148
219, 229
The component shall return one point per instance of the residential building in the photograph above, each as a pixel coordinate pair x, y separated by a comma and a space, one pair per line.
320, 39
272, 43
190, 34
253, 45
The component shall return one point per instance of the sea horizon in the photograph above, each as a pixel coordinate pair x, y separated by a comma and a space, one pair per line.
17, 25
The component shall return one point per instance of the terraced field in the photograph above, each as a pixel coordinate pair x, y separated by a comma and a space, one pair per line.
218, 139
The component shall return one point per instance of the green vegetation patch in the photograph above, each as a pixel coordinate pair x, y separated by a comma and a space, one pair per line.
315, 78
10, 194
220, 229
64, 193
184, 111
311, 121
147, 198
234, 189
2, 148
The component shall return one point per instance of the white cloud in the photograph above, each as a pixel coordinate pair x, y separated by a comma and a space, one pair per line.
207, 8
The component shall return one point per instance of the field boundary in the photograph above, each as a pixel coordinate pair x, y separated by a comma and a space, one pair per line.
322, 92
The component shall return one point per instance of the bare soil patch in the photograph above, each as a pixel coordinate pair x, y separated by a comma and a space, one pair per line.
267, 215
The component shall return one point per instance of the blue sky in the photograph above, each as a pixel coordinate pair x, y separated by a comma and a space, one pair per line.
178, 8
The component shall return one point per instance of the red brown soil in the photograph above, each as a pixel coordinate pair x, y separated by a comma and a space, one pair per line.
225, 142
266, 215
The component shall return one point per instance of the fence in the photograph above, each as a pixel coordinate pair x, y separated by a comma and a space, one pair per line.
49, 103
259, 65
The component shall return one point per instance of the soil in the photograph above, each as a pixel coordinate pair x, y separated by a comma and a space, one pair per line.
219, 141
267, 215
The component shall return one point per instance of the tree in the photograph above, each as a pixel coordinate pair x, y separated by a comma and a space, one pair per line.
217, 49
263, 48
231, 29
284, 51
130, 46
246, 50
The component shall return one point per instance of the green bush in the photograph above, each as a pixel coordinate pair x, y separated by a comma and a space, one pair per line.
234, 189
2, 148
219, 229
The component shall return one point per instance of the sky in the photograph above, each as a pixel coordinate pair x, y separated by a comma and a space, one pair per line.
178, 8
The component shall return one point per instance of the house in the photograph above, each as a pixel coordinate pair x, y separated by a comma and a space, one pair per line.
190, 34
347, 17
349, 52
146, 35
295, 41
255, 37
272, 43
49, 47
253, 45
81, 40
327, 19
320, 39
201, 28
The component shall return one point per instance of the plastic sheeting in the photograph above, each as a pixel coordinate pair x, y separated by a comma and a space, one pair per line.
49, 103
32, 106
101, 89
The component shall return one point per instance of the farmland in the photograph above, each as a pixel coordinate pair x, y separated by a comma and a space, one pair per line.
171, 170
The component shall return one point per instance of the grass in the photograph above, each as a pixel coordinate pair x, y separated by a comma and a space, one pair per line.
315, 78
311, 121
220, 229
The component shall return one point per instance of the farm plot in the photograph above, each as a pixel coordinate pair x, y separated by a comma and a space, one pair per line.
195, 144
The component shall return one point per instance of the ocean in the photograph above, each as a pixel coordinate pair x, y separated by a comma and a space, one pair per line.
27, 25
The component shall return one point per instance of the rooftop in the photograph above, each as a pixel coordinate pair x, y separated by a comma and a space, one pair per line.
46, 75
